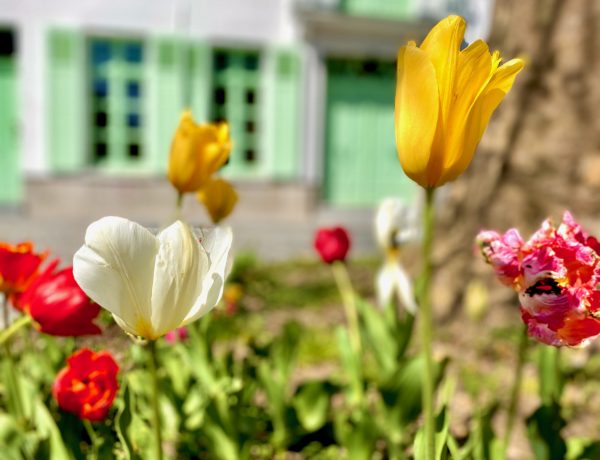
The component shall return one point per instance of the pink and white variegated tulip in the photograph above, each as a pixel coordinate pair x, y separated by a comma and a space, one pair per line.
556, 274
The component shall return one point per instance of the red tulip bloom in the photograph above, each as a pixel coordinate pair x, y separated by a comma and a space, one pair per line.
88, 385
18, 266
58, 305
332, 244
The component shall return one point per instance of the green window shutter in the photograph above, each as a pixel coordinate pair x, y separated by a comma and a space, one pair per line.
283, 114
394, 9
200, 80
10, 171
66, 100
168, 76
116, 91
237, 97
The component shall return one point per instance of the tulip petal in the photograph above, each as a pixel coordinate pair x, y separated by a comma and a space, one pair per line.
442, 46
481, 112
416, 112
476, 124
384, 284
115, 269
217, 243
392, 279
177, 277
505, 75
404, 290
473, 74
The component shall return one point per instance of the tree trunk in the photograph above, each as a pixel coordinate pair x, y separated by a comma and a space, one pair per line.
541, 152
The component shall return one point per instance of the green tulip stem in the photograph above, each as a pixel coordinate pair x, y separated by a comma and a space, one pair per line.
155, 403
342, 279
5, 311
16, 397
426, 320
93, 438
14, 327
179, 205
516, 389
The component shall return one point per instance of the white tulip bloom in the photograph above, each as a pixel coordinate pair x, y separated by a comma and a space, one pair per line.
152, 284
391, 230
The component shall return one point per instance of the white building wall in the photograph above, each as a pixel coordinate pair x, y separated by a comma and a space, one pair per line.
226, 21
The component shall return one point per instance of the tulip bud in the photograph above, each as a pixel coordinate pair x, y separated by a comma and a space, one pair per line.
332, 244
197, 152
219, 198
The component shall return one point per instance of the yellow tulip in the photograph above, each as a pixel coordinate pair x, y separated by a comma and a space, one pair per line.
219, 198
444, 100
197, 152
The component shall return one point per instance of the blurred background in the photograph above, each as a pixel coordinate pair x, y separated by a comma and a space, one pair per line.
91, 93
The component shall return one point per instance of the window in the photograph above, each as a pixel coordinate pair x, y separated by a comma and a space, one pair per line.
116, 90
236, 99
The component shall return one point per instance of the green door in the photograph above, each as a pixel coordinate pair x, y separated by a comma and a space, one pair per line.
361, 164
10, 173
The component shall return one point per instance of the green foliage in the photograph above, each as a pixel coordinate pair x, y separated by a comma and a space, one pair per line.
245, 387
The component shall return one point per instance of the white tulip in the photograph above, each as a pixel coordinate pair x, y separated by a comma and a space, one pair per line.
152, 284
391, 230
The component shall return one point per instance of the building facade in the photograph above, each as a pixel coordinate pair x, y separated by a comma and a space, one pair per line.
92, 87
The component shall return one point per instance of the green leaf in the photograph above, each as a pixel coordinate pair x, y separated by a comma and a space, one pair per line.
356, 433
18, 398
442, 422
284, 349
352, 366
11, 438
123, 422
486, 445
223, 447
312, 404
379, 337
544, 431
178, 369
590, 452
46, 426
194, 409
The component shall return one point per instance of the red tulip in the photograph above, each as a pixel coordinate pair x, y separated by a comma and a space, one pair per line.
57, 304
332, 244
18, 266
88, 385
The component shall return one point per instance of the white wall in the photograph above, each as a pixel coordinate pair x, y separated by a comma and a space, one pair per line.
223, 21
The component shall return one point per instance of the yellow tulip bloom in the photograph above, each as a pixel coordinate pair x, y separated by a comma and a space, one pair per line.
444, 100
197, 152
219, 198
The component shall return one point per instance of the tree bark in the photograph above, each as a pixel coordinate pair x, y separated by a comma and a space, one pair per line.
541, 152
